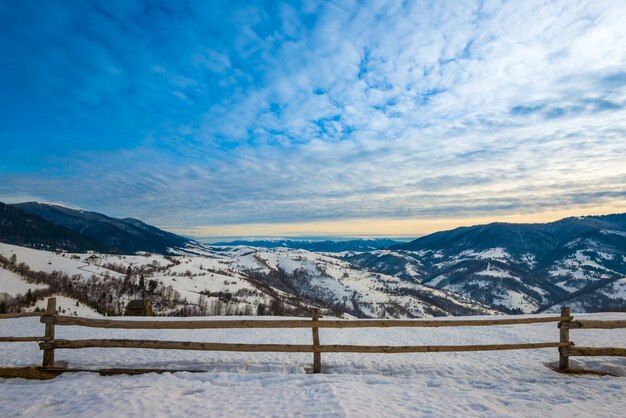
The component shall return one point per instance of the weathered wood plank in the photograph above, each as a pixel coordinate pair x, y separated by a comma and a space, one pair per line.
594, 324
48, 354
595, 351
564, 338
287, 348
20, 315
317, 356
292, 323
21, 339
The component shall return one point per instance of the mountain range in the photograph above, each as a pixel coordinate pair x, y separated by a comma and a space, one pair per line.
527, 268
498, 267
326, 246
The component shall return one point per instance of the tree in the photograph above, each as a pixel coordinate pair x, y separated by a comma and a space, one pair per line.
260, 309
152, 285
13, 259
202, 305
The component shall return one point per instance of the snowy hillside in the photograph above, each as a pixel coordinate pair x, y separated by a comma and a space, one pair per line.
492, 276
504, 383
518, 268
232, 280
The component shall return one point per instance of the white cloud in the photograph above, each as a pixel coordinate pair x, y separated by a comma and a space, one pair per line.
381, 110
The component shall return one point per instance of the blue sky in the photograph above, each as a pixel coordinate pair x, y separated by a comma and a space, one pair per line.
279, 118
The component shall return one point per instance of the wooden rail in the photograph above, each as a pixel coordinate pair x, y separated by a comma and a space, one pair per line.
293, 323
595, 351
591, 324
21, 339
289, 348
9, 339
20, 315
565, 321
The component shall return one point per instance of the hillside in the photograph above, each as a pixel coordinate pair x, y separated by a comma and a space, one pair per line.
499, 267
518, 267
229, 281
22, 228
58, 227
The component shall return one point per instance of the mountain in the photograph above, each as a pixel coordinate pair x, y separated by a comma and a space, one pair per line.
225, 281
21, 228
327, 246
498, 267
92, 231
579, 261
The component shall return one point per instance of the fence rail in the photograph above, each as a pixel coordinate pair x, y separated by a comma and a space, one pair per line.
293, 323
21, 339
20, 315
591, 324
290, 348
565, 321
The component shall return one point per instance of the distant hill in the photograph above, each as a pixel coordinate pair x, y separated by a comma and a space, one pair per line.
40, 225
21, 228
580, 261
517, 239
328, 246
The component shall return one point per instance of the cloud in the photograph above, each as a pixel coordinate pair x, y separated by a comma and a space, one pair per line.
203, 114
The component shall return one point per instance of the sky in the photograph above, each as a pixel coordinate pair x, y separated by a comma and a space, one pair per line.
381, 118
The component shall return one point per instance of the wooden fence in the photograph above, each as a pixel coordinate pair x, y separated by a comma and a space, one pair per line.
566, 322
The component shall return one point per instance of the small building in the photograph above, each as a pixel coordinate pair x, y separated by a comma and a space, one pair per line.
138, 307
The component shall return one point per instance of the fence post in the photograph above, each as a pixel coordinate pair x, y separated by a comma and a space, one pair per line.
48, 353
317, 356
564, 338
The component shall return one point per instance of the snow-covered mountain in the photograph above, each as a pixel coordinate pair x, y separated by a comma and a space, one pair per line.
499, 267
518, 267
226, 280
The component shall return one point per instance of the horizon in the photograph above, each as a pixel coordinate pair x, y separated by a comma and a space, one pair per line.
315, 119
314, 236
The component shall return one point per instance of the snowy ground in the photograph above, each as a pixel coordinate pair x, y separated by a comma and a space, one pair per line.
511, 383
12, 284
66, 306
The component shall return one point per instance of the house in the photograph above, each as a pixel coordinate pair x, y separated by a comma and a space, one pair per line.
138, 307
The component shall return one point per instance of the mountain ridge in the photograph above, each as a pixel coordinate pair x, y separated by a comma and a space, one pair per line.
94, 231
518, 267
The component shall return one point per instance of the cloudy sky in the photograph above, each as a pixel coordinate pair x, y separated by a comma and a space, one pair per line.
388, 118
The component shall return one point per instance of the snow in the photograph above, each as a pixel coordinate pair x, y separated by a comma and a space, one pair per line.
496, 272
435, 282
497, 253
66, 306
581, 259
223, 270
506, 383
529, 259
13, 284
612, 232
517, 300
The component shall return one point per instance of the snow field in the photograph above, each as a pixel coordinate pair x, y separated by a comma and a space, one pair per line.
66, 306
504, 383
12, 284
